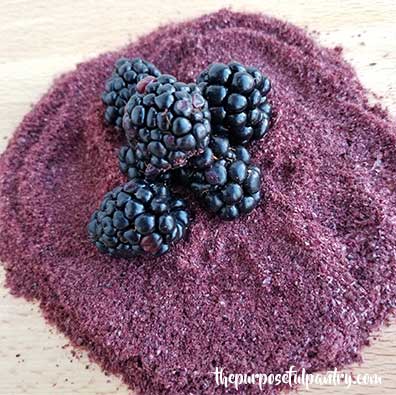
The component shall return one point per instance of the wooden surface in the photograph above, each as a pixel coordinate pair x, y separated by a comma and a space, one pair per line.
40, 39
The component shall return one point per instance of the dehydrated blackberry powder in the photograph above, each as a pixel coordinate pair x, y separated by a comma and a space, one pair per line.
302, 281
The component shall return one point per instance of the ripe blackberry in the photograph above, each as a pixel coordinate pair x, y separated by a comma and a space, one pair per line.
138, 218
237, 97
132, 167
122, 84
224, 179
167, 122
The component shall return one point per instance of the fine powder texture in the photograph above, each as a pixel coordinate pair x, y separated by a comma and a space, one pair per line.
301, 281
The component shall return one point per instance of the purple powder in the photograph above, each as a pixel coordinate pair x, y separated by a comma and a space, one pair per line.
301, 281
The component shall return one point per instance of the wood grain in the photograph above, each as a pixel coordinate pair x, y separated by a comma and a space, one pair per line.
42, 39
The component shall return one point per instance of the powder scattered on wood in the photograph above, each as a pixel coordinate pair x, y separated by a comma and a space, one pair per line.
302, 281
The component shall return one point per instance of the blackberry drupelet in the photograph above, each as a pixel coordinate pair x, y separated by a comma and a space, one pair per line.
166, 122
224, 179
133, 168
138, 218
122, 84
237, 97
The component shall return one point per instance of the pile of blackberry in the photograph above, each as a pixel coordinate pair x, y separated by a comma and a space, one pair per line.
179, 134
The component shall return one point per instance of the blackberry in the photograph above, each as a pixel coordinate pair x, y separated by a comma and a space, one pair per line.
138, 218
132, 167
122, 84
237, 97
167, 122
224, 179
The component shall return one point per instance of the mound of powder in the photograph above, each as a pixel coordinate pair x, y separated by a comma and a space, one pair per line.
301, 281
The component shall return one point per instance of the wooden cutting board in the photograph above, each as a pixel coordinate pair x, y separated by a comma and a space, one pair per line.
40, 39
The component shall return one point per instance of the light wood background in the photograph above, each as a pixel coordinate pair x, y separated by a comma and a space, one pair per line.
41, 38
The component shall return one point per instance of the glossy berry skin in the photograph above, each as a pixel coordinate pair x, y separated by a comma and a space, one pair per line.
138, 218
167, 122
224, 179
133, 168
122, 85
237, 97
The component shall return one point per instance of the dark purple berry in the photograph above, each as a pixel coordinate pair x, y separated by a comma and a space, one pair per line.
119, 88
140, 225
174, 126
237, 97
223, 179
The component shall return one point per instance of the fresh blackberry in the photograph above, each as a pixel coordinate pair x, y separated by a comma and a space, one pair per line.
122, 84
133, 168
224, 179
128, 163
138, 218
167, 122
237, 97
